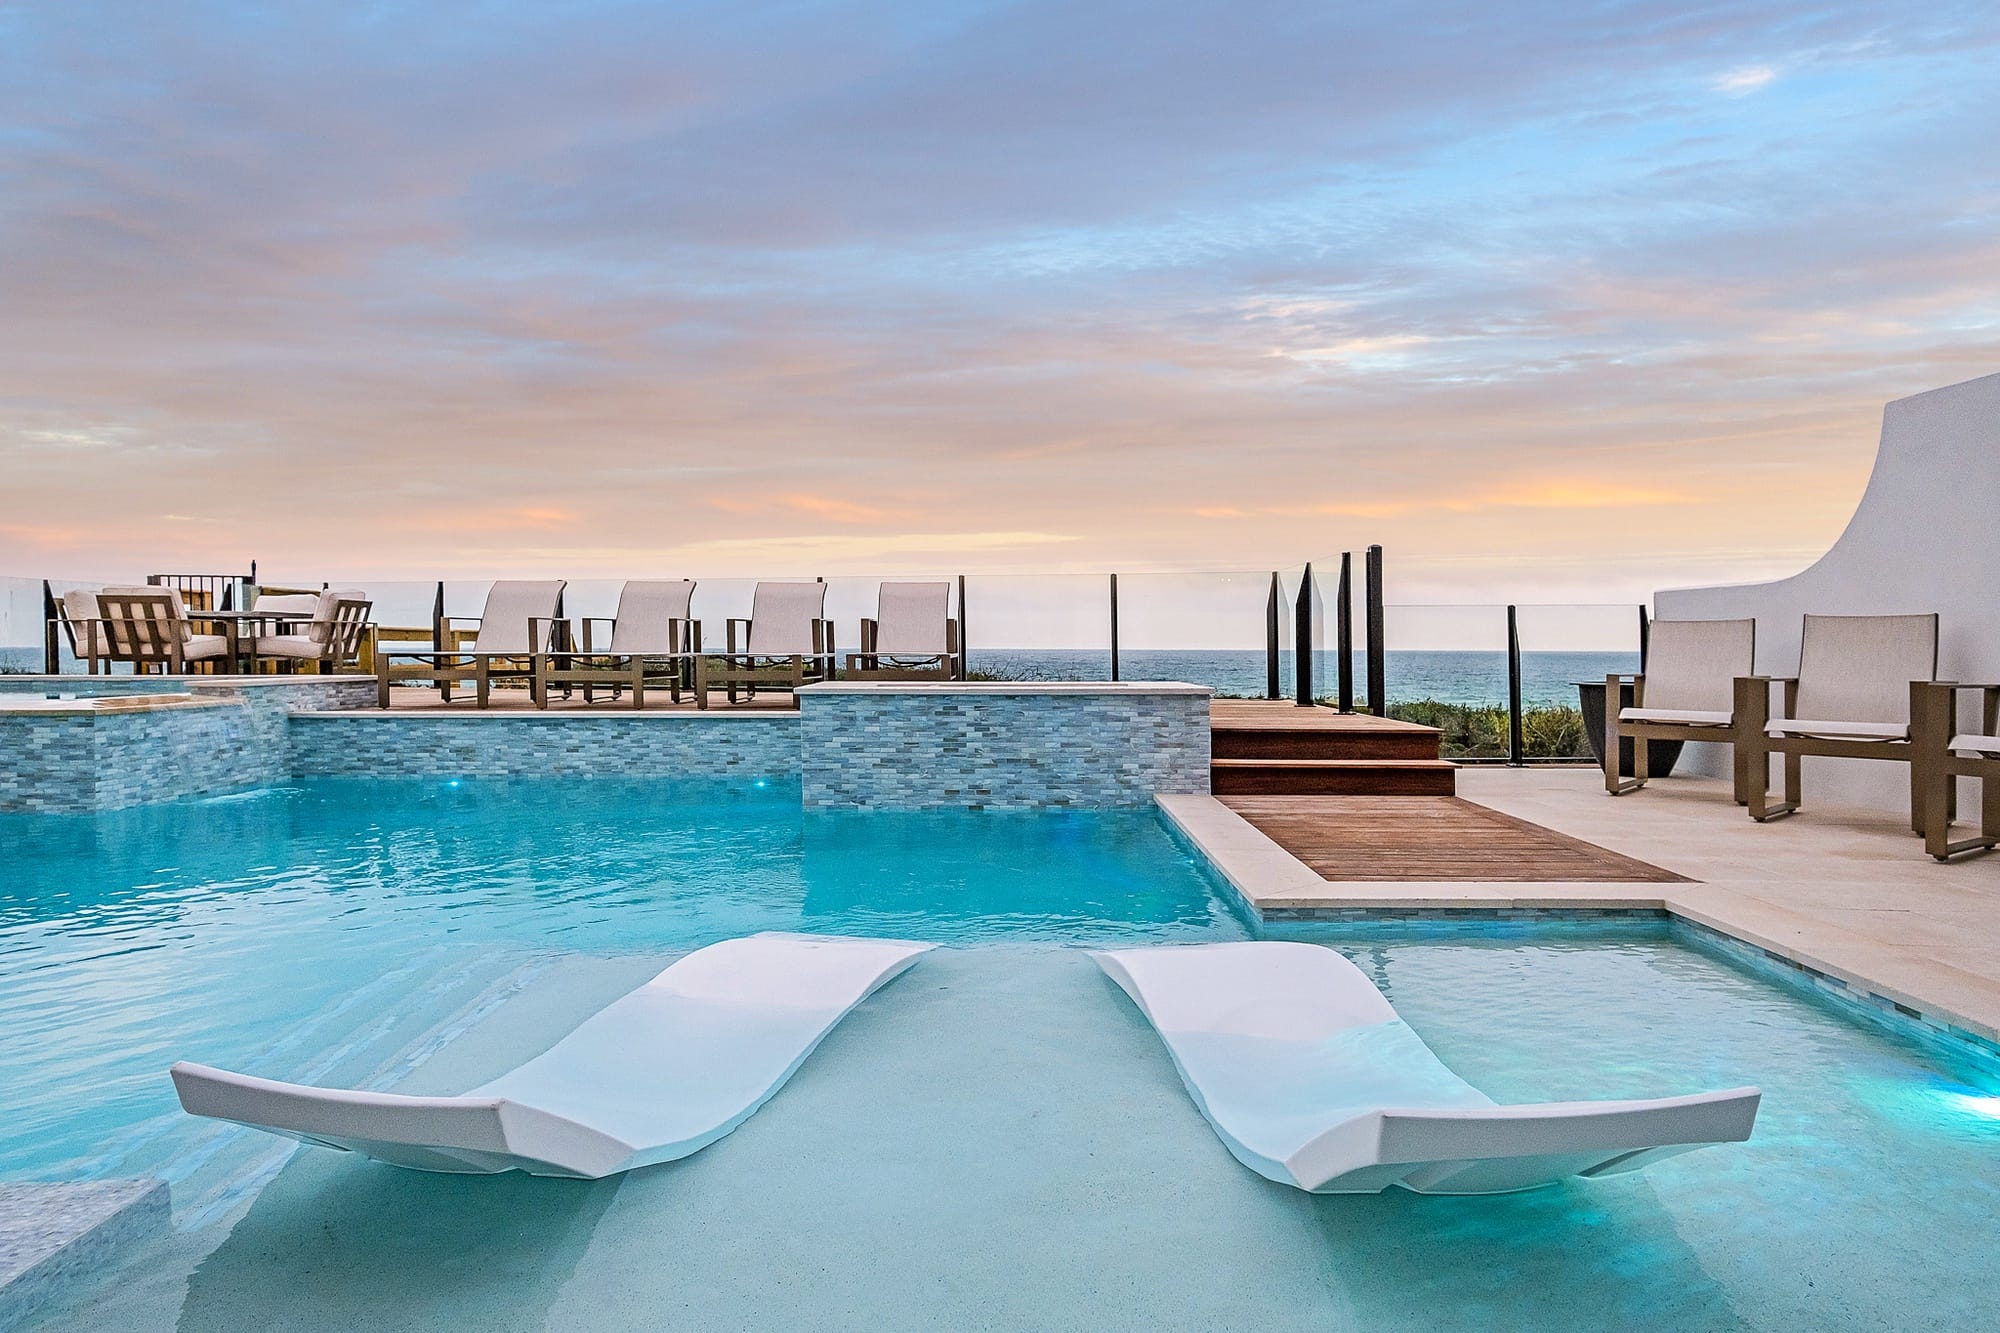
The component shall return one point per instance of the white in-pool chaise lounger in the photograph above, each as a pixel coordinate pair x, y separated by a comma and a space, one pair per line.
659, 1074
1311, 1080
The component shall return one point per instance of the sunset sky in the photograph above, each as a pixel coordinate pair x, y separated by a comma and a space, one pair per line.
1555, 302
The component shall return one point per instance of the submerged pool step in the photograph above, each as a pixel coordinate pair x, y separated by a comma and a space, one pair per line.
1332, 777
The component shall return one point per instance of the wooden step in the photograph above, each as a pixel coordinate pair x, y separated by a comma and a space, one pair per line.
1332, 777
1227, 742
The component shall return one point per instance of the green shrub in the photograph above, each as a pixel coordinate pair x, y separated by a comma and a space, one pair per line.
1475, 731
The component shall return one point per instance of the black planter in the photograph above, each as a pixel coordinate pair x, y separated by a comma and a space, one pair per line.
1661, 756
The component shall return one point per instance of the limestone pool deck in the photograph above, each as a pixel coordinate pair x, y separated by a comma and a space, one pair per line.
1848, 893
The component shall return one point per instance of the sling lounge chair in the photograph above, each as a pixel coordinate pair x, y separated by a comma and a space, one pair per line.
329, 639
652, 641
1852, 699
1311, 1080
660, 1074
1944, 754
785, 643
516, 623
1686, 692
913, 635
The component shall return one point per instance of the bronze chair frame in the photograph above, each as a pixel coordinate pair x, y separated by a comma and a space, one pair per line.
1934, 716
634, 671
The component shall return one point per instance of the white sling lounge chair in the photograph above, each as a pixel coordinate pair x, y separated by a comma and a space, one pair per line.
660, 1074
1852, 699
515, 625
786, 642
652, 640
912, 637
1311, 1080
1686, 693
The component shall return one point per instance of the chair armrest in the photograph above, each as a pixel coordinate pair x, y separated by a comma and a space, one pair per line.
536, 645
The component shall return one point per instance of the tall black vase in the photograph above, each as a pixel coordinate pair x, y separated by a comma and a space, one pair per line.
1661, 756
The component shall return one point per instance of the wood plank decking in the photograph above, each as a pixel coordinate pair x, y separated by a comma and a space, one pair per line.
1271, 748
1431, 838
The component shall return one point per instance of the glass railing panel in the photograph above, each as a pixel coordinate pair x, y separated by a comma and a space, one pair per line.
1203, 628
1038, 627
1566, 652
1446, 667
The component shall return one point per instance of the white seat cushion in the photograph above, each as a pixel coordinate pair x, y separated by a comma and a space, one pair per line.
289, 645
1839, 730
1977, 744
1689, 716
201, 647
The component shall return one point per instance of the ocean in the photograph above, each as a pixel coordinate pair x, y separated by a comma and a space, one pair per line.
1476, 678
1448, 677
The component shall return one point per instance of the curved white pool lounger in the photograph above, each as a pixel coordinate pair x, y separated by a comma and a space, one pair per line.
661, 1073
1311, 1080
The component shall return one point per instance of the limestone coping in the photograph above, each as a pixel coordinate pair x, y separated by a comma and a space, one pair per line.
1014, 687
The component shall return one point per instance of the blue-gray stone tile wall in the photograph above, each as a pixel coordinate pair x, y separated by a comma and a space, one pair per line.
565, 745
54, 763
909, 751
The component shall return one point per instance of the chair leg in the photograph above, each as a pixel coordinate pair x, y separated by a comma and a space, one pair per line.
381, 679
482, 682
1759, 784
1739, 760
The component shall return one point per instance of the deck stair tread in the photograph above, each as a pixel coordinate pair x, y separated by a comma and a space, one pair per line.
1270, 747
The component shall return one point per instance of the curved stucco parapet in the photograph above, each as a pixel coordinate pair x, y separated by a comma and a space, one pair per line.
1925, 537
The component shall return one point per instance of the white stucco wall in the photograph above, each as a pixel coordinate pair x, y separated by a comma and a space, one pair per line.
1926, 537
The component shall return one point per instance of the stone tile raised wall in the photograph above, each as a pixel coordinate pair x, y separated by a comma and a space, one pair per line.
489, 745
984, 747
232, 738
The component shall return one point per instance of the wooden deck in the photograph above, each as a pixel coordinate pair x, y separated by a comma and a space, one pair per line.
1431, 838
423, 699
1271, 748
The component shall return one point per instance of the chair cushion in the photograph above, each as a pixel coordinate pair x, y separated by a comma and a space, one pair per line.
1977, 744
301, 604
1839, 730
1688, 716
200, 647
289, 645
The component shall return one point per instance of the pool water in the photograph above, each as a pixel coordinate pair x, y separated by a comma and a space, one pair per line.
995, 1140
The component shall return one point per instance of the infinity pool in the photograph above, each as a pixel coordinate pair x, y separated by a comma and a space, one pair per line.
995, 1140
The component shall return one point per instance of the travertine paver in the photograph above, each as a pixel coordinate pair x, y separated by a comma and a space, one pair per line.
1845, 892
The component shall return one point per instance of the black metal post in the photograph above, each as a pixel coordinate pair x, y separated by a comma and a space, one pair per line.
964, 660
1302, 644
51, 642
437, 620
1343, 631
1514, 738
1273, 689
1114, 627
1378, 663
1645, 636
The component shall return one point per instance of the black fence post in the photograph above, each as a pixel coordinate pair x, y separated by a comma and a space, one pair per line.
1645, 636
1114, 627
51, 643
1343, 631
437, 620
1302, 643
964, 661
1378, 664
1514, 738
1273, 688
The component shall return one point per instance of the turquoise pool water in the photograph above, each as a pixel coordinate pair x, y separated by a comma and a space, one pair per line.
996, 1140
